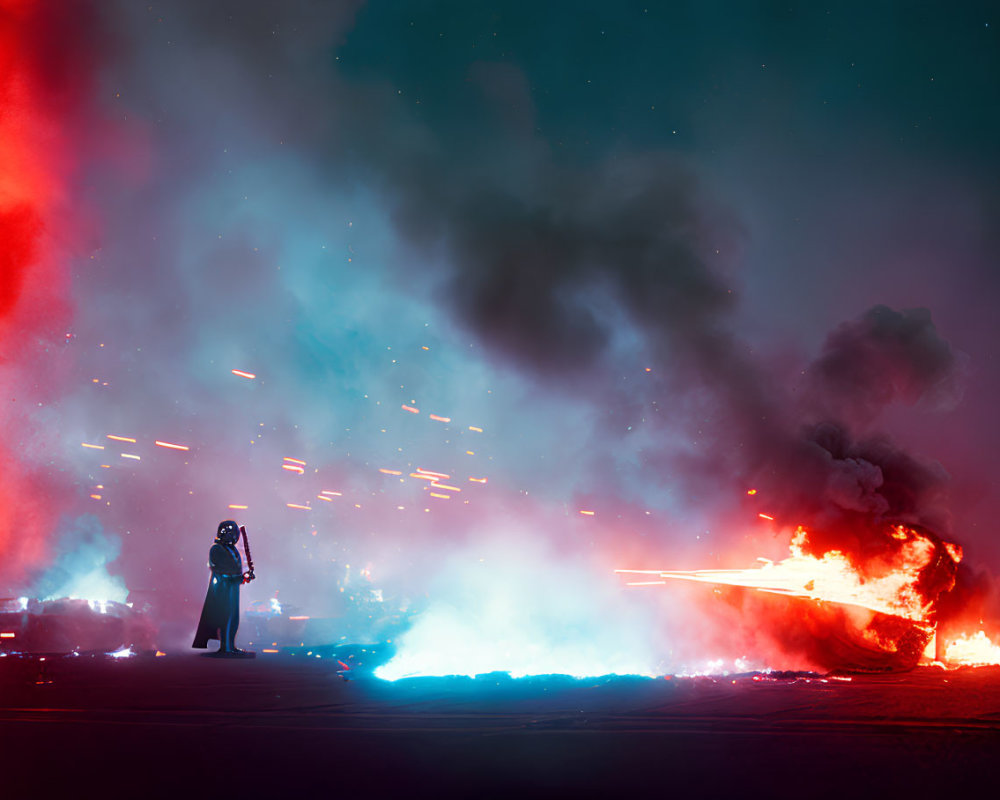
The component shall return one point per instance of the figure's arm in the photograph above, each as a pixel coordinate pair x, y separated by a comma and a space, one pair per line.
223, 565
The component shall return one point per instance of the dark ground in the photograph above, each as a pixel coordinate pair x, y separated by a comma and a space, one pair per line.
285, 725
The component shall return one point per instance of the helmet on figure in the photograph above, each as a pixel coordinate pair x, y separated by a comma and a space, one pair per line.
228, 533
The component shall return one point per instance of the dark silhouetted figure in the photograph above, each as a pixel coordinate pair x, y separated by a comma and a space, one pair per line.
220, 617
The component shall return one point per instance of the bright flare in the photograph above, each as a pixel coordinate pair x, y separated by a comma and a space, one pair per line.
972, 651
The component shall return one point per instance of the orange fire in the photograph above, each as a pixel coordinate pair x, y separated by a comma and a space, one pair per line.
893, 594
833, 578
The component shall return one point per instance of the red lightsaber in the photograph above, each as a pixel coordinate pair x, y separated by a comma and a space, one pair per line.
246, 549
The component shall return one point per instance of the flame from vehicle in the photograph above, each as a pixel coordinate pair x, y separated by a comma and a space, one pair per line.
834, 578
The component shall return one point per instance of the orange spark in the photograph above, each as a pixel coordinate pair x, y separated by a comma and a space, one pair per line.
170, 446
299, 617
92, 446
437, 475
442, 496
331, 492
324, 497
269, 650
478, 480
239, 507
389, 471
411, 409
293, 468
751, 491
437, 485
296, 505
160, 654
766, 516
121, 438
436, 418
474, 428
291, 460
96, 496
243, 374
130, 455
587, 513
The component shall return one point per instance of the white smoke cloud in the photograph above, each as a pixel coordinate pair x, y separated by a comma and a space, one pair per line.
80, 569
511, 604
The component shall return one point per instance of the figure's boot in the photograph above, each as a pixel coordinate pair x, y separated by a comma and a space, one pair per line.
237, 653
230, 650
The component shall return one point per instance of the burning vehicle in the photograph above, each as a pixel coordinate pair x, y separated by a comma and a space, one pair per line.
873, 612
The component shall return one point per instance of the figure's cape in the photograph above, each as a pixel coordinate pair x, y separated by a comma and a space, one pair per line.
222, 601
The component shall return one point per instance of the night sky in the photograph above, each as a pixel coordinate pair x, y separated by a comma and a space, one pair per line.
629, 259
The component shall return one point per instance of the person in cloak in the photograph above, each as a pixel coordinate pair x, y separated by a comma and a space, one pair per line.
220, 616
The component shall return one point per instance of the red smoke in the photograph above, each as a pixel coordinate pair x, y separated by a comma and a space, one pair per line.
45, 77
